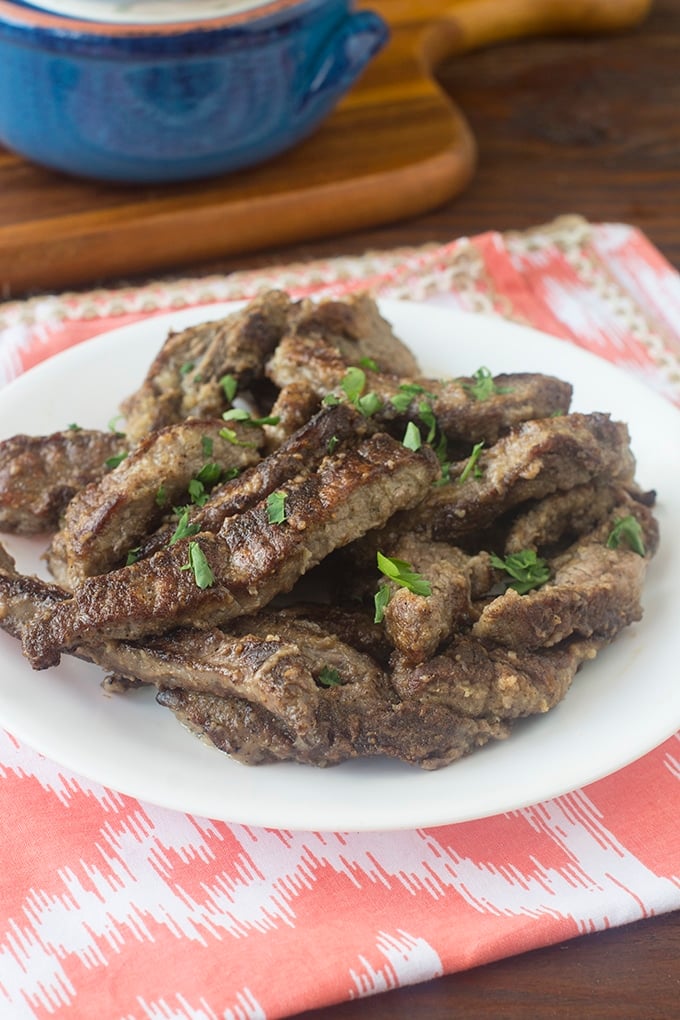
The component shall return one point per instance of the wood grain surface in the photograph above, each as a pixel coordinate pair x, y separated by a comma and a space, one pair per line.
397, 146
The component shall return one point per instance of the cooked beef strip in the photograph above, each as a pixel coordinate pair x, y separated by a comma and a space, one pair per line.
594, 590
184, 378
251, 559
294, 406
473, 693
23, 597
572, 513
303, 451
40, 474
108, 518
536, 459
461, 417
355, 326
244, 731
416, 624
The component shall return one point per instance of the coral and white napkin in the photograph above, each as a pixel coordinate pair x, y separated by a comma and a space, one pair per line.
111, 907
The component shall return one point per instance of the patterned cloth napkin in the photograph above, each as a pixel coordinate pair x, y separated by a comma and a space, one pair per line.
110, 907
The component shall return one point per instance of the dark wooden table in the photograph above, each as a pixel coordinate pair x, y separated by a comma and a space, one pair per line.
590, 126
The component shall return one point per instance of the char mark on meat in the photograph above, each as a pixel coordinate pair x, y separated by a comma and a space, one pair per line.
184, 378
110, 517
39, 475
303, 451
250, 559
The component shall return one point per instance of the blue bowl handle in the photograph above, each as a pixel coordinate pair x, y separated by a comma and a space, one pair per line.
343, 57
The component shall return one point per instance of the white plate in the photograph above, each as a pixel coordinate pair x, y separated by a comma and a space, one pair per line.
619, 707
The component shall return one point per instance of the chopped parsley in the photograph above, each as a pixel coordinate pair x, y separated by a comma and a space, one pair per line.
183, 529
627, 529
210, 473
427, 416
197, 492
161, 497
403, 575
207, 446
527, 569
73, 427
406, 394
276, 507
229, 384
472, 467
133, 556
112, 427
187, 367
113, 462
230, 436
353, 385
200, 567
332, 444
246, 418
370, 364
412, 438
329, 677
483, 386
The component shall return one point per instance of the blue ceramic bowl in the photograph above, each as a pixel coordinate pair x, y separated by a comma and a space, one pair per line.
170, 102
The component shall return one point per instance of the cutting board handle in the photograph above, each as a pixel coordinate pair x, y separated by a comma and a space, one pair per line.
463, 25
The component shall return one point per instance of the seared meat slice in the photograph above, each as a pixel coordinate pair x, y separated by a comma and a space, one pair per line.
572, 513
415, 624
594, 590
473, 693
289, 675
534, 460
250, 559
460, 416
294, 406
40, 474
303, 451
355, 327
23, 597
184, 378
244, 731
108, 518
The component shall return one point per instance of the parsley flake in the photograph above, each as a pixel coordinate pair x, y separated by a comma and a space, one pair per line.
240, 414
199, 566
133, 556
412, 438
528, 570
276, 507
161, 497
207, 446
183, 529
229, 384
627, 529
353, 383
483, 386
113, 462
329, 677
370, 364
403, 575
73, 427
472, 467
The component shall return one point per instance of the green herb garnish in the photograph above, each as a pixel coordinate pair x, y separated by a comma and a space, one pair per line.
482, 386
75, 428
184, 529
329, 677
276, 507
113, 462
528, 570
403, 575
472, 467
200, 567
412, 438
627, 529
229, 384
370, 364
133, 556
161, 497
207, 446
187, 367
246, 418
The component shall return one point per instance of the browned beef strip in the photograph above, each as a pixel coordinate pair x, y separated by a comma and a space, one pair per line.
108, 518
461, 417
473, 693
303, 451
415, 624
356, 328
23, 597
40, 474
184, 378
534, 460
244, 731
572, 513
292, 409
251, 559
594, 590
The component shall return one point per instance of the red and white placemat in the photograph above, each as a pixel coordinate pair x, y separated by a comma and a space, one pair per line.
111, 907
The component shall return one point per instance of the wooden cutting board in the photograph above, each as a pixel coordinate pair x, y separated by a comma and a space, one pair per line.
394, 148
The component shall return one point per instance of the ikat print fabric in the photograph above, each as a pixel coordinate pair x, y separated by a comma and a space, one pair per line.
114, 908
